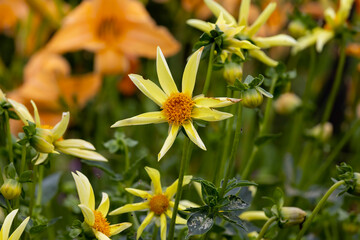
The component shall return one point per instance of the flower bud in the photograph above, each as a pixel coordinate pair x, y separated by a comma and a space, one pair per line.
287, 103
297, 29
321, 132
292, 216
10, 189
42, 141
356, 190
251, 98
232, 71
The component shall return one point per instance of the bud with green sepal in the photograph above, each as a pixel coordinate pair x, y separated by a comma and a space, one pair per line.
11, 189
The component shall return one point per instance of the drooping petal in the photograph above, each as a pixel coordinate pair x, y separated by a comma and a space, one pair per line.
140, 193
165, 78
200, 25
173, 130
6, 226
19, 230
22, 112
304, 42
208, 114
217, 9
149, 88
40, 158
85, 190
60, 128
154, 175
261, 56
193, 135
118, 228
81, 153
36, 114
100, 235
277, 40
178, 220
104, 204
171, 190
146, 222
322, 38
163, 227
75, 143
88, 214
264, 16
242, 44
244, 12
130, 208
201, 101
189, 75
141, 119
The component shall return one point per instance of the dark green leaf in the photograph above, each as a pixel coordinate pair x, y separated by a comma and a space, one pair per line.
26, 176
199, 223
38, 229
234, 183
74, 233
210, 193
256, 81
10, 171
233, 218
234, 203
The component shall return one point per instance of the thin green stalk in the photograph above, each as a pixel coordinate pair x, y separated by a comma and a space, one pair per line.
318, 207
265, 124
233, 149
126, 153
155, 232
209, 70
9, 138
246, 171
8, 205
40, 186
184, 159
330, 159
335, 88
22, 168
265, 227
32, 192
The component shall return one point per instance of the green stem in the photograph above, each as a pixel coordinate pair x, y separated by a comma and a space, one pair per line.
265, 227
155, 232
233, 149
318, 207
32, 192
22, 168
209, 70
126, 153
9, 138
246, 171
40, 185
8, 205
184, 159
336, 85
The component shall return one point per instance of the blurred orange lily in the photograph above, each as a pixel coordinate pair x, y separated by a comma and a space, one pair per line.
115, 30
10, 12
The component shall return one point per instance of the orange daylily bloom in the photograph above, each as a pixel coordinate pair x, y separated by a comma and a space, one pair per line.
115, 30
11, 11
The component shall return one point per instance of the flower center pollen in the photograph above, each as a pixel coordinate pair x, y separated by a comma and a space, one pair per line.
101, 224
159, 204
177, 108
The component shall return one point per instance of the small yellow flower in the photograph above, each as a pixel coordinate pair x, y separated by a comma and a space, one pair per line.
248, 32
96, 218
6, 226
178, 108
158, 203
49, 139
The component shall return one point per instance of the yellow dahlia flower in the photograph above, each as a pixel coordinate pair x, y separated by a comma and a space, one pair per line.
178, 108
158, 203
6, 226
49, 139
96, 218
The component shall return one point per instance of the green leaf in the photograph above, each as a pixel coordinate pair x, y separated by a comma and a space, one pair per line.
264, 92
10, 171
112, 145
279, 197
266, 138
74, 233
234, 203
256, 81
50, 186
26, 176
234, 183
199, 223
272, 231
233, 218
248, 79
38, 229
210, 193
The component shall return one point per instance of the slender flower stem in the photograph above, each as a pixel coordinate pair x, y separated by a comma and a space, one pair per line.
155, 232
126, 153
335, 88
233, 149
184, 159
9, 139
22, 168
8, 205
40, 185
32, 192
318, 207
265, 227
209, 70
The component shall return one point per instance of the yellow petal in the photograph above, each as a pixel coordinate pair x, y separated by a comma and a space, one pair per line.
40, 158
178, 220
36, 114
165, 78
193, 135
171, 190
85, 190
22, 112
264, 16
118, 228
88, 214
201, 25
304, 42
19, 230
173, 130
261, 56
184, 204
141, 119
60, 128
149, 88
244, 12
242, 44
322, 38
277, 40
154, 174
75, 143
202, 101
208, 114
100, 235
163, 226
130, 208
104, 205
81, 153
146, 222
140, 193
217, 9
191, 68
6, 226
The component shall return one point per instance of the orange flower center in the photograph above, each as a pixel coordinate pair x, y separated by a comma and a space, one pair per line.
109, 29
51, 127
177, 108
159, 204
101, 224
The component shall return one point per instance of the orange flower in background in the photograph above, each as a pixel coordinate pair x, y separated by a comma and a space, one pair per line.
11, 11
115, 30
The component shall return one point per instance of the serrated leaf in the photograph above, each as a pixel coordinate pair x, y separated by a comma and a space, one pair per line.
26, 176
234, 203
266, 138
234, 183
256, 81
264, 92
199, 223
209, 191
233, 218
